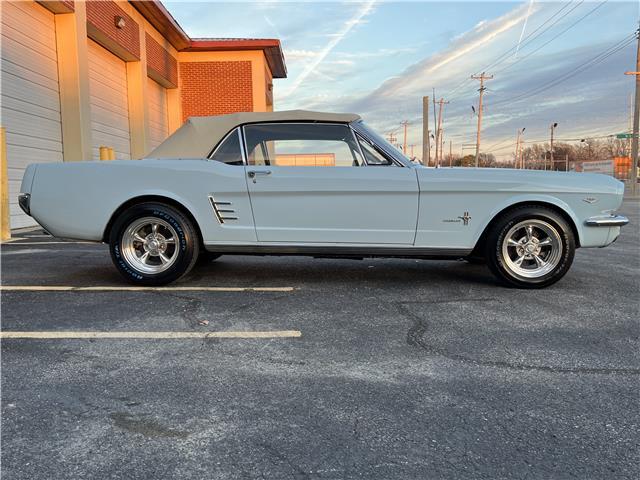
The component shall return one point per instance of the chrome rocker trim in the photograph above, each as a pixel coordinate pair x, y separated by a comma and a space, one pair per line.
341, 251
607, 221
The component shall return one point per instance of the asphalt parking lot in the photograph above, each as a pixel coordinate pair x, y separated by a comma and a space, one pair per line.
376, 369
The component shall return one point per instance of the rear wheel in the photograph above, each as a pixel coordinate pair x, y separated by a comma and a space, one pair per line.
530, 247
153, 244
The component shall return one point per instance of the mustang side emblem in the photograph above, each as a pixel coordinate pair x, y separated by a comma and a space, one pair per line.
590, 199
465, 218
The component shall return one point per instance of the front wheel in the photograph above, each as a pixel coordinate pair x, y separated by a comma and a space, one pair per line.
153, 244
530, 247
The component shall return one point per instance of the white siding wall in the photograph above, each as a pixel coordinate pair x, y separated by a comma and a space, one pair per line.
158, 116
30, 94
109, 104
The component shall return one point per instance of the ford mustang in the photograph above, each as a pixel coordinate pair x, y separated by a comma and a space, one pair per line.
322, 185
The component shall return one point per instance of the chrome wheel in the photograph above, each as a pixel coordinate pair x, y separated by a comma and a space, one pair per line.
532, 248
149, 245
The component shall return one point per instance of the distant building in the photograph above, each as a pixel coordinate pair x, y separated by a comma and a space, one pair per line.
80, 75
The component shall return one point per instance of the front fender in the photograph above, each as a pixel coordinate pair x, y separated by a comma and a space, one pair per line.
533, 198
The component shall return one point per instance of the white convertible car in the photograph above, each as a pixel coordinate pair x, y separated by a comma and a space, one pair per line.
317, 184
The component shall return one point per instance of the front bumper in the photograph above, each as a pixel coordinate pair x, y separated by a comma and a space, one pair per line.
606, 221
24, 200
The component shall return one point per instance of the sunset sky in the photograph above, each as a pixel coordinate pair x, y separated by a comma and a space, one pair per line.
379, 58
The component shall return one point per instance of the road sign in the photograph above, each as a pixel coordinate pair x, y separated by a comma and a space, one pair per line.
624, 135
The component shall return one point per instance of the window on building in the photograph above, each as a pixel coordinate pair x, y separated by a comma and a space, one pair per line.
229, 150
302, 145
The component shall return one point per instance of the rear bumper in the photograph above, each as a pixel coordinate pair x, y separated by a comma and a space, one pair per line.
606, 221
24, 200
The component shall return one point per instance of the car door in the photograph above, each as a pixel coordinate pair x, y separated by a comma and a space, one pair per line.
230, 218
309, 183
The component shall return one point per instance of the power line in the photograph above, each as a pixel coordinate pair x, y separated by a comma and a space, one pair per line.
526, 41
566, 76
594, 137
554, 37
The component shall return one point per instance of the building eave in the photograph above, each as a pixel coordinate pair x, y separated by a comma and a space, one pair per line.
270, 46
158, 16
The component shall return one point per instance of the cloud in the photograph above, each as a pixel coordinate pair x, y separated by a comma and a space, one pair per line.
300, 54
364, 10
417, 78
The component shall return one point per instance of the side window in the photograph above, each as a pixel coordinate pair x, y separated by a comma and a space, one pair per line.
301, 145
371, 155
229, 151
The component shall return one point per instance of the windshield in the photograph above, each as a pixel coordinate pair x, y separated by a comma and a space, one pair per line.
371, 135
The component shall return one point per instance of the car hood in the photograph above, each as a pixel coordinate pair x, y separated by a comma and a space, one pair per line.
475, 179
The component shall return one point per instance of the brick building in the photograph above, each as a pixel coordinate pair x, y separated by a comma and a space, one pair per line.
80, 75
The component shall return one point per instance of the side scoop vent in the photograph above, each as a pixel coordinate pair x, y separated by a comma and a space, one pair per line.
222, 210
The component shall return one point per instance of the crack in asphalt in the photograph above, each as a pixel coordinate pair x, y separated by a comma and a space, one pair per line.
415, 337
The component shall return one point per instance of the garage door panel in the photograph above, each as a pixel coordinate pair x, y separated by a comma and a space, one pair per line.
13, 18
29, 125
42, 16
17, 53
119, 143
107, 79
109, 102
30, 94
29, 141
107, 71
104, 108
158, 116
24, 156
105, 131
35, 78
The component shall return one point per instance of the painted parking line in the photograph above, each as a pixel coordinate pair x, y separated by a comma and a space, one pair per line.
18, 242
53, 335
65, 288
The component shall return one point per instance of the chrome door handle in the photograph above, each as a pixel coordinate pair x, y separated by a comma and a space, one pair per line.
254, 173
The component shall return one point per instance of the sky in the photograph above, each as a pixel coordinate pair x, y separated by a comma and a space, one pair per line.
551, 62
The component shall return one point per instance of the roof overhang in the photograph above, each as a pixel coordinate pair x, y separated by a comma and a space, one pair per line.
156, 14
270, 46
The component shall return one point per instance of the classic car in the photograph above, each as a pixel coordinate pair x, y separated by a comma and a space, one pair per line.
321, 185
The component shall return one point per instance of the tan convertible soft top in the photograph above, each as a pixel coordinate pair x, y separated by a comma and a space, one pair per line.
198, 135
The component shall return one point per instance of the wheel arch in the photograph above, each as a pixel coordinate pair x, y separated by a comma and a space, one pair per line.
552, 204
151, 198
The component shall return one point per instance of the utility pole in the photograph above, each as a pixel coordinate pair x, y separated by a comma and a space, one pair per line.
441, 147
438, 139
553, 127
392, 139
426, 141
633, 174
450, 153
411, 146
404, 139
482, 77
519, 160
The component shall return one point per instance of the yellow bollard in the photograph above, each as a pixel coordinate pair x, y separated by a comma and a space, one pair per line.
5, 226
112, 154
104, 153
